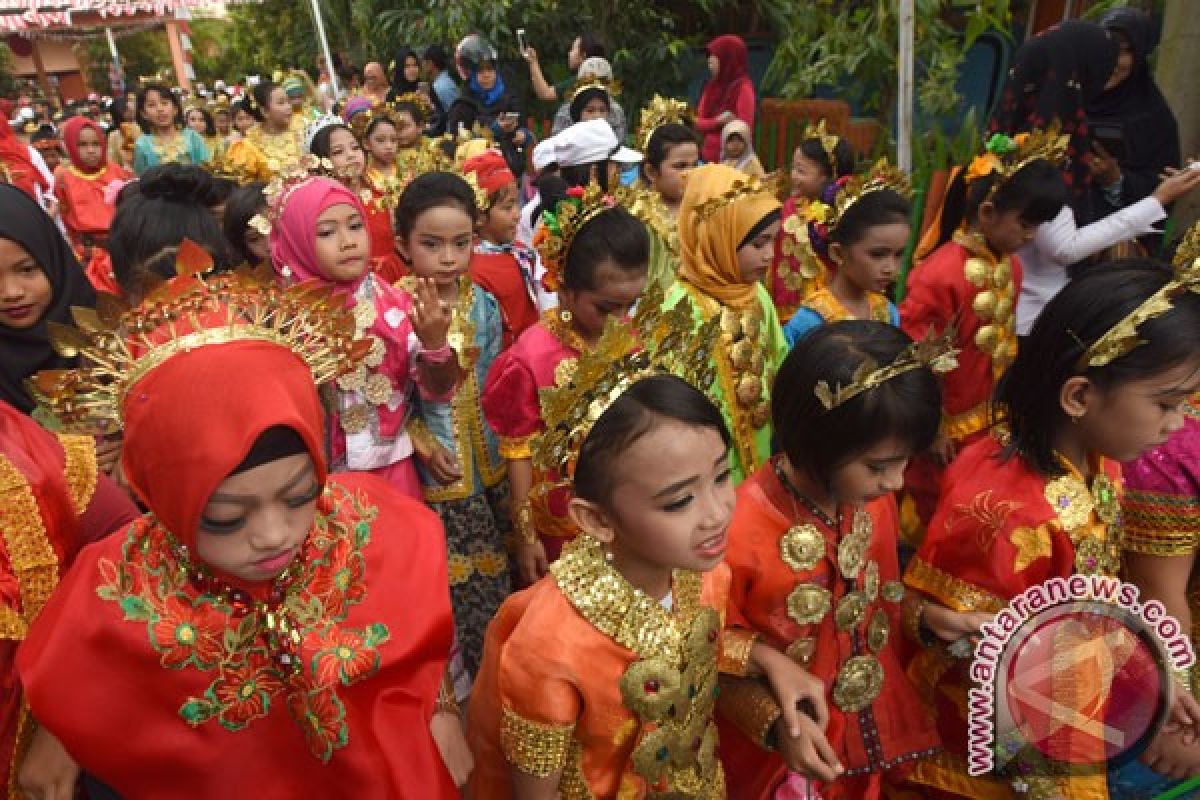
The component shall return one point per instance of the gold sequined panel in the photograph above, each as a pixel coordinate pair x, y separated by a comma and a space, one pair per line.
29, 550
956, 593
736, 644
534, 747
994, 302
80, 452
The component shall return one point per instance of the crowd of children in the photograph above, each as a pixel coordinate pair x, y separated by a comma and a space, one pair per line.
474, 464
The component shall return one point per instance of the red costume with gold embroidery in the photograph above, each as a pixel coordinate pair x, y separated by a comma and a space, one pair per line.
502, 275
584, 673
1000, 528
963, 284
510, 404
52, 501
788, 592
161, 674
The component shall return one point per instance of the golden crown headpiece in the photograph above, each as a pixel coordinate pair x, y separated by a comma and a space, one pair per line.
219, 102
741, 187
658, 112
829, 142
607, 85
560, 227
1122, 338
935, 352
417, 99
653, 342
1007, 155
482, 200
882, 175
1188, 249
118, 345
221, 166
362, 120
195, 103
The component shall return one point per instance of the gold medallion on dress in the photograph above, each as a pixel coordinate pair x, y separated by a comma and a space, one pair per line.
858, 683
850, 610
802, 547
878, 630
852, 551
871, 581
801, 651
808, 603
893, 591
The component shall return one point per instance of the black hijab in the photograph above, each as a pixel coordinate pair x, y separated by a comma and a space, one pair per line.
1137, 104
399, 84
24, 352
1054, 76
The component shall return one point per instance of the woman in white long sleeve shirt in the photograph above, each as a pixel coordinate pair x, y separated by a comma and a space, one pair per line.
1059, 243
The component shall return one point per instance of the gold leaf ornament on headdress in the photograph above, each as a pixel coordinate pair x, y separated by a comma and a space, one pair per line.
560, 227
882, 175
280, 189
1007, 155
658, 112
653, 342
741, 187
935, 352
607, 85
118, 345
829, 142
1124, 337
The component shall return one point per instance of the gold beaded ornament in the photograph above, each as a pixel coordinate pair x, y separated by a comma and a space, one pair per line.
658, 112
882, 175
741, 187
935, 351
654, 342
118, 345
1123, 337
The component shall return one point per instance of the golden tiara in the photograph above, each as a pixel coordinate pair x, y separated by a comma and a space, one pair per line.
829, 142
610, 87
935, 352
118, 345
1007, 155
1122, 338
417, 99
653, 342
1188, 249
741, 187
482, 201
562, 225
879, 177
658, 112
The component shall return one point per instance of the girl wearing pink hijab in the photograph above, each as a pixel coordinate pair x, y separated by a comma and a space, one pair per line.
319, 234
727, 96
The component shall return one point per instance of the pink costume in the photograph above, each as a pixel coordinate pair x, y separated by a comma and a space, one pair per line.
366, 427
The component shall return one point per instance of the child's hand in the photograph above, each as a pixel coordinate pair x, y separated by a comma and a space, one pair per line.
108, 454
808, 753
1173, 755
442, 465
950, 625
451, 742
942, 449
794, 687
1185, 715
531, 561
48, 772
430, 316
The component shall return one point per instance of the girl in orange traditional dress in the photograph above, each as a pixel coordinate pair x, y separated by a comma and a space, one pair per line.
462, 471
595, 255
86, 187
821, 163
273, 144
1106, 373
866, 238
972, 281
600, 679
815, 579
267, 629
341, 156
318, 233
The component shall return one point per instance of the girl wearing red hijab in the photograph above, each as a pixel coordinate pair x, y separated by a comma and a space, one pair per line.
727, 96
86, 188
24, 166
267, 629
53, 501
319, 234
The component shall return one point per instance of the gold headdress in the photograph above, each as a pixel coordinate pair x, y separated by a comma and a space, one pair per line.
1007, 155
1122, 338
417, 99
937, 352
482, 200
219, 102
610, 87
119, 345
880, 176
653, 342
559, 228
829, 142
661, 111
741, 187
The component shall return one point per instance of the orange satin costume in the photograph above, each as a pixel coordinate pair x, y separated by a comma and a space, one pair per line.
1000, 528
585, 674
510, 404
788, 593
962, 283
158, 672
52, 502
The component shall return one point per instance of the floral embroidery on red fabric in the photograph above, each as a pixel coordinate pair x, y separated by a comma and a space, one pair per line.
192, 628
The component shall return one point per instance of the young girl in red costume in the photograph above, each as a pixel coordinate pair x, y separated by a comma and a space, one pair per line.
815, 577
267, 629
596, 257
86, 188
505, 267
318, 232
972, 281
820, 164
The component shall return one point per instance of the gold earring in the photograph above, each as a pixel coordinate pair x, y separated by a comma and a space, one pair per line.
564, 315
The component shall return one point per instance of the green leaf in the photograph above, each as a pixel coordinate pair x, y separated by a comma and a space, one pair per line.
136, 608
